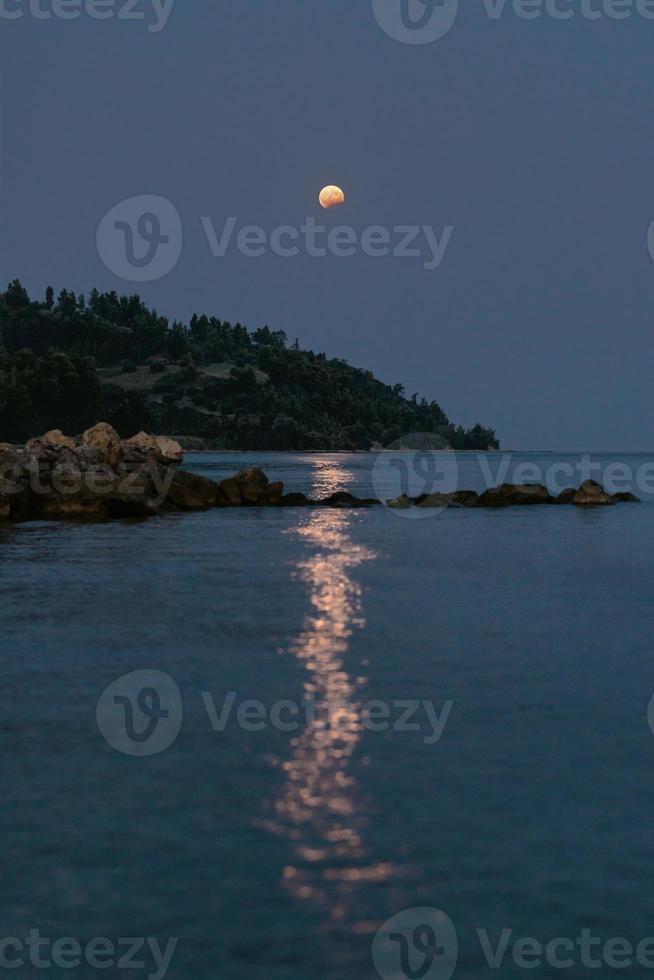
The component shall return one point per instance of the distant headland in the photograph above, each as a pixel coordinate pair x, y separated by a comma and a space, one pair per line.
69, 361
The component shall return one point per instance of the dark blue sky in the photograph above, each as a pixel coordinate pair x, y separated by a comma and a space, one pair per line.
533, 138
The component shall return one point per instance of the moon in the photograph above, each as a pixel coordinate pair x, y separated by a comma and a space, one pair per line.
331, 196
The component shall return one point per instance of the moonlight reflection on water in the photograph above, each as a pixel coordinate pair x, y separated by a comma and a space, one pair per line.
321, 809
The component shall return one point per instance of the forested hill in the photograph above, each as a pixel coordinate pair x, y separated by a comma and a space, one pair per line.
67, 362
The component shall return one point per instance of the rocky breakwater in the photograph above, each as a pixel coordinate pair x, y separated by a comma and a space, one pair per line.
589, 494
100, 476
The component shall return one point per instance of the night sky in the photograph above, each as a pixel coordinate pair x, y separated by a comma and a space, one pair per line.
532, 138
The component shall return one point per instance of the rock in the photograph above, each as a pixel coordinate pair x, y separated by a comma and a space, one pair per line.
247, 489
296, 500
400, 503
626, 498
566, 496
434, 500
274, 493
189, 491
145, 443
531, 493
465, 498
105, 440
344, 499
229, 493
495, 497
5, 509
509, 495
56, 438
62, 509
592, 494
170, 450
253, 483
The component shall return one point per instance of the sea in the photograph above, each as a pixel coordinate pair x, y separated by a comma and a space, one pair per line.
296, 744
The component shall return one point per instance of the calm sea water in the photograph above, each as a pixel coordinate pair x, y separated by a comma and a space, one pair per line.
275, 854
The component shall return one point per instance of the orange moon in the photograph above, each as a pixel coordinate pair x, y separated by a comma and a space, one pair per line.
331, 196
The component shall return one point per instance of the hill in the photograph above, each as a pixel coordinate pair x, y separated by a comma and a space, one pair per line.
66, 362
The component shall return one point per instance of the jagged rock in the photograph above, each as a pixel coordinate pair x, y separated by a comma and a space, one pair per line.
296, 500
188, 491
5, 509
105, 440
344, 499
170, 450
627, 498
592, 494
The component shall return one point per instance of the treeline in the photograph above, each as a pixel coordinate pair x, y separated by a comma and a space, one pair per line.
68, 361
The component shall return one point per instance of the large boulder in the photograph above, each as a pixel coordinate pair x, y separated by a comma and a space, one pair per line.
248, 488
274, 493
592, 494
105, 440
170, 450
53, 438
188, 491
143, 443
